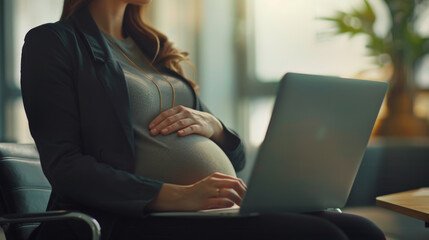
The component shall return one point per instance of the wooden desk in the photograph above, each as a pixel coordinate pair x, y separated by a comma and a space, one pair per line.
411, 203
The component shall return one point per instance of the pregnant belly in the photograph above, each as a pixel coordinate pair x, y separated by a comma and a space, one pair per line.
180, 160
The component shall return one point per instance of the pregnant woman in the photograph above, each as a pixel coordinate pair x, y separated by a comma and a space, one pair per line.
121, 132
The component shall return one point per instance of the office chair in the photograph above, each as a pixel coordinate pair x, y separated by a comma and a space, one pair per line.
24, 194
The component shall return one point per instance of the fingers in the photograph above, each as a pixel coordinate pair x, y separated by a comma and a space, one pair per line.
230, 184
225, 186
215, 191
186, 121
190, 130
172, 120
178, 124
221, 175
161, 117
230, 194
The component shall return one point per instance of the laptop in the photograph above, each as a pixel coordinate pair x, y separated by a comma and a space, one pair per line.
319, 129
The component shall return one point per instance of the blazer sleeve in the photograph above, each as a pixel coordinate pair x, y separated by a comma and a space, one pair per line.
234, 147
50, 103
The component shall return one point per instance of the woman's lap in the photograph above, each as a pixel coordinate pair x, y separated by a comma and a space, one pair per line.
355, 227
320, 225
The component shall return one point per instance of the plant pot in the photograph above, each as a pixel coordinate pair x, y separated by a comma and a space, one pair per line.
405, 125
400, 120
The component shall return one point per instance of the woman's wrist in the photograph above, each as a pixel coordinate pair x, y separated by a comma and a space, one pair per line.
218, 133
167, 198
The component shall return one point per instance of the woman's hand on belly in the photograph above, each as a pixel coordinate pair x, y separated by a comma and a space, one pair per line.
187, 121
215, 191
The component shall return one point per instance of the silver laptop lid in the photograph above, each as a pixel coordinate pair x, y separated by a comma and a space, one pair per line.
314, 144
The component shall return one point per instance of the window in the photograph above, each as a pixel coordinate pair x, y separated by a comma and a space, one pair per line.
290, 36
20, 16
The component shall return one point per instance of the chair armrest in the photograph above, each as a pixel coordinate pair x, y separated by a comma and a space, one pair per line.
53, 216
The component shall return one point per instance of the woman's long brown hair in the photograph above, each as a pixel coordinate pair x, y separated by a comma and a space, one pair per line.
164, 52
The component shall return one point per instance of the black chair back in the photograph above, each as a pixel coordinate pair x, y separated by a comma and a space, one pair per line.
23, 186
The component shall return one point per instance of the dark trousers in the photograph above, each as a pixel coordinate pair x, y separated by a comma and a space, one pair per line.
319, 225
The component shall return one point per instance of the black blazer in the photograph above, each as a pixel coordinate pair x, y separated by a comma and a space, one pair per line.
77, 104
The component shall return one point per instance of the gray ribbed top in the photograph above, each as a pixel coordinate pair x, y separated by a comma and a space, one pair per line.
171, 158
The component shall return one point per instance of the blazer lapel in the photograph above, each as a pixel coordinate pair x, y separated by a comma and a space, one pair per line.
108, 71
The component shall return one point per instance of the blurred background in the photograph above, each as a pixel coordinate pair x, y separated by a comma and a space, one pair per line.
242, 48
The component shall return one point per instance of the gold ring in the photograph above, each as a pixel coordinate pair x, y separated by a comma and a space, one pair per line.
218, 191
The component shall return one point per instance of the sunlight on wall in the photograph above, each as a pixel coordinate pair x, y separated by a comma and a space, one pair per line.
291, 37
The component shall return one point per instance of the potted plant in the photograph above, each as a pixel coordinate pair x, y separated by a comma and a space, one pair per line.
401, 48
